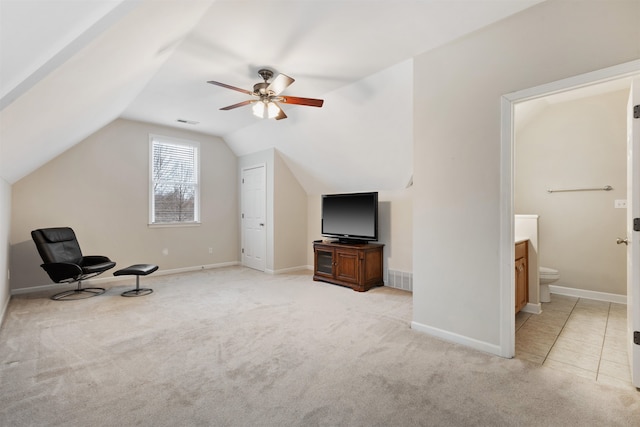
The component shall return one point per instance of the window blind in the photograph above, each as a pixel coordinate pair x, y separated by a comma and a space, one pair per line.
174, 184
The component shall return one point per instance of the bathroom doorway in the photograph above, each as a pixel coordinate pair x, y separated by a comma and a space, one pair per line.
570, 154
612, 76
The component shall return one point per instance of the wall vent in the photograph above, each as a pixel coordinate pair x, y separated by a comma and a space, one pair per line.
400, 280
188, 122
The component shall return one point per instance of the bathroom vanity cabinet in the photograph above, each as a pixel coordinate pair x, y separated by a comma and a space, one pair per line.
522, 275
356, 265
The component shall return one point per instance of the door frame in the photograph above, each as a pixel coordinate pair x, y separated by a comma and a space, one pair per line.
633, 245
507, 148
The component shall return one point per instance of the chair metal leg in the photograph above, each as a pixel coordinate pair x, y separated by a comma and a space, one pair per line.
78, 293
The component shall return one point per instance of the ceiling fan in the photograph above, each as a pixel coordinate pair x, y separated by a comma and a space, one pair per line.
267, 96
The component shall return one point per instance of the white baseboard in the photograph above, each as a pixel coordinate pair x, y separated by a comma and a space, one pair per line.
532, 308
112, 279
583, 293
458, 339
287, 270
3, 313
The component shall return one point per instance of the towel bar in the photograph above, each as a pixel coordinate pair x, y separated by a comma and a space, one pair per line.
605, 188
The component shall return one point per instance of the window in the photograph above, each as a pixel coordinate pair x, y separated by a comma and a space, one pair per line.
174, 183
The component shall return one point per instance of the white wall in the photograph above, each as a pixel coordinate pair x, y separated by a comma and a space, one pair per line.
100, 188
577, 144
457, 194
5, 225
290, 219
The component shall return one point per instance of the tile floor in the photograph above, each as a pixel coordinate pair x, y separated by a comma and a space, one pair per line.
577, 335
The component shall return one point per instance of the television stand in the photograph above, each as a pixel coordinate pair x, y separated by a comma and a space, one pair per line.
355, 265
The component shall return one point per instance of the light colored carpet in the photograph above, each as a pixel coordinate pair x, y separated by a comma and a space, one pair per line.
235, 347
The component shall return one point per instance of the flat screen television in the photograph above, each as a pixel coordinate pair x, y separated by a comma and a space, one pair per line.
350, 217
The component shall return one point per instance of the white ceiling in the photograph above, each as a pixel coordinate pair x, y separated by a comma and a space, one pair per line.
68, 67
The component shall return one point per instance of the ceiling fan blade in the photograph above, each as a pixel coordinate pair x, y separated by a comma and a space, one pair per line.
281, 115
302, 101
280, 83
239, 104
248, 92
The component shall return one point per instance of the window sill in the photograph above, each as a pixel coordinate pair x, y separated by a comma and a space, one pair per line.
174, 224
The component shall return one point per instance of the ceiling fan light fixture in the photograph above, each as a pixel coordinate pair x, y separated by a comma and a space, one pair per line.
272, 110
265, 110
259, 109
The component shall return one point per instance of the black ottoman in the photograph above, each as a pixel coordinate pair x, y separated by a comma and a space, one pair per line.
137, 270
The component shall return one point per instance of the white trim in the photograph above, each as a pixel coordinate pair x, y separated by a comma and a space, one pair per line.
287, 270
616, 72
31, 289
3, 313
584, 293
527, 216
174, 224
507, 291
112, 279
532, 308
455, 338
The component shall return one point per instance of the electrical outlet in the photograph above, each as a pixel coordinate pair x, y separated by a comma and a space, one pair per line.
620, 204
210, 250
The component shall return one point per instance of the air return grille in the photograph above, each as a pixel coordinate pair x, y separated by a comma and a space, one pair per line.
400, 280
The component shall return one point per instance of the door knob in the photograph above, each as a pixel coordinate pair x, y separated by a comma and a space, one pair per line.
620, 240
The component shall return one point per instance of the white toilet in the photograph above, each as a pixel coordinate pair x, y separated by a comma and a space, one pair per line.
547, 276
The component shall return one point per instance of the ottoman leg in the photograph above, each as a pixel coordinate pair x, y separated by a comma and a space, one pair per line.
138, 291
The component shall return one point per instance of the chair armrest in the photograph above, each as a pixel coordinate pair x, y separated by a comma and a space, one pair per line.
96, 264
94, 259
60, 271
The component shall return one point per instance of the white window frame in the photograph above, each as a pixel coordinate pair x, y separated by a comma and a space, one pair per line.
173, 141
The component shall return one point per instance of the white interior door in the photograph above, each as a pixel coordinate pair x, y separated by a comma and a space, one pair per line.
633, 235
254, 207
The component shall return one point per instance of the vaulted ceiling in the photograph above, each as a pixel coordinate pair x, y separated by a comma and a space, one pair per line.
68, 68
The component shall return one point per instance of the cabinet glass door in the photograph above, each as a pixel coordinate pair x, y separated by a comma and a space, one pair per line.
325, 262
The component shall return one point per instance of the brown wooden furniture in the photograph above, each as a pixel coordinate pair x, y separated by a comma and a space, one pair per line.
522, 275
356, 265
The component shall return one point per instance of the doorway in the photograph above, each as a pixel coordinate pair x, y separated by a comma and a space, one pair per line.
570, 153
575, 144
508, 102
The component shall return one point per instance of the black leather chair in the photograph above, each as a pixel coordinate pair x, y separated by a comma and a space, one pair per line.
64, 262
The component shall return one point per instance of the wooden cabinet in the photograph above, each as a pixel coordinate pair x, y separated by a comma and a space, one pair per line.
522, 275
356, 265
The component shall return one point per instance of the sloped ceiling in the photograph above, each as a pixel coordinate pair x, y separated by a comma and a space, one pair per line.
69, 68
528, 111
